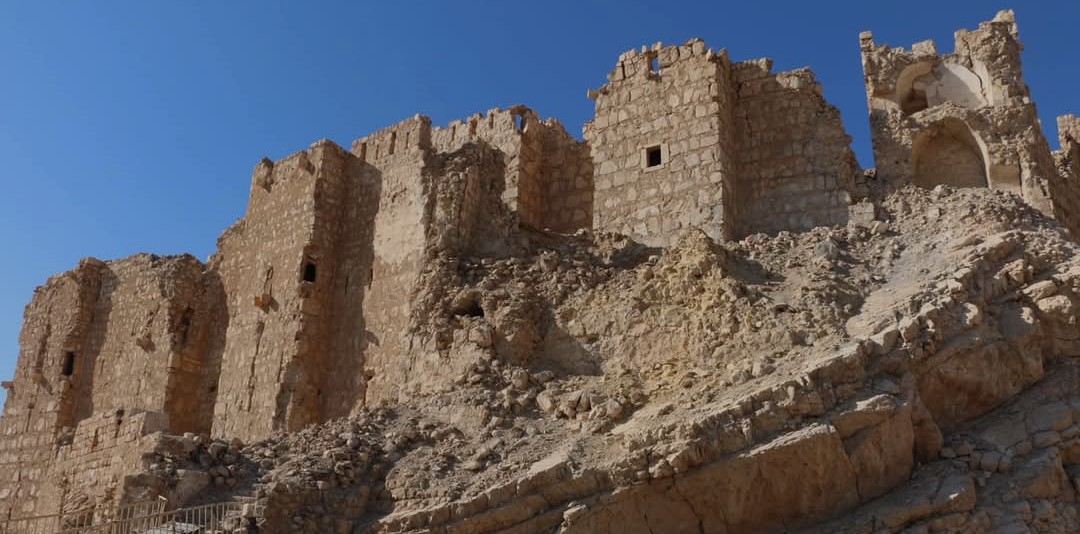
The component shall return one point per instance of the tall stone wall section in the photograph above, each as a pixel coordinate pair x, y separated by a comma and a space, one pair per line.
673, 103
111, 338
141, 351
277, 267
1066, 187
795, 168
963, 119
40, 398
398, 253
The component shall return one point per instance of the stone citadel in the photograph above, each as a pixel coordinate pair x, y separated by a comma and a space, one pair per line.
339, 290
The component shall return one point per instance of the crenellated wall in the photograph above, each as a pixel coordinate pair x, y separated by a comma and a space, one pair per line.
736, 149
672, 104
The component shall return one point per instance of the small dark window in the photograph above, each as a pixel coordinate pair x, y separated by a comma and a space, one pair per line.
69, 364
653, 156
185, 326
654, 64
310, 271
393, 141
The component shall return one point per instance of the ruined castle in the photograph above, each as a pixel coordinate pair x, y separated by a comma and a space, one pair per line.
316, 303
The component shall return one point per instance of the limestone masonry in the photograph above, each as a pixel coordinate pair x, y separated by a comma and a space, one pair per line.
705, 317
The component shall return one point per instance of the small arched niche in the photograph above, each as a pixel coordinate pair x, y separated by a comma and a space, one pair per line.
911, 87
948, 153
925, 85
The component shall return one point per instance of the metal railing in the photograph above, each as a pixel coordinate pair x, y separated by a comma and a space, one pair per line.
143, 518
78, 519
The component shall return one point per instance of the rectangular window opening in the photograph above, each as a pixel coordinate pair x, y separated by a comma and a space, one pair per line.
393, 141
654, 64
519, 122
653, 156
69, 364
310, 271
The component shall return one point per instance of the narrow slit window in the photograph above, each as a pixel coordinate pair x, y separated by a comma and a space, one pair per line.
310, 271
69, 364
519, 122
393, 141
654, 157
654, 64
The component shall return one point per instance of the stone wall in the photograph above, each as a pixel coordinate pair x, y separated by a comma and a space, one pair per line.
106, 338
277, 269
794, 166
40, 398
672, 104
963, 119
1066, 187
548, 176
93, 470
141, 350
435, 207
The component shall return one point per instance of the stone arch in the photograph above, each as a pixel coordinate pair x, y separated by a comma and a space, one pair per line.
924, 85
948, 152
911, 87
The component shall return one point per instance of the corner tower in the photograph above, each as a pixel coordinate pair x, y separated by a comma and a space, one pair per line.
964, 119
662, 143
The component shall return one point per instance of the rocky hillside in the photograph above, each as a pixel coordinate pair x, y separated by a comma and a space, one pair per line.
913, 374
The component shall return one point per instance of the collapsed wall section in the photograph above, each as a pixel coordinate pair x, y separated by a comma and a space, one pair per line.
433, 207
548, 176
662, 144
964, 119
794, 163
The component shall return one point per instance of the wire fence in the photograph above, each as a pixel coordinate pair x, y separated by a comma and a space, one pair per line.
145, 518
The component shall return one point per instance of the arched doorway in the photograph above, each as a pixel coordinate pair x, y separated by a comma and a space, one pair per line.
948, 153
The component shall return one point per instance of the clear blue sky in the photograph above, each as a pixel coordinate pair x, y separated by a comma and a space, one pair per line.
134, 126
